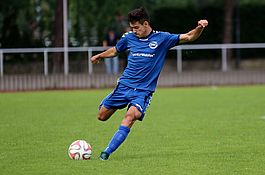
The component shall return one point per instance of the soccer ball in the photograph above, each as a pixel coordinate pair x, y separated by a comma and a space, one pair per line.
80, 150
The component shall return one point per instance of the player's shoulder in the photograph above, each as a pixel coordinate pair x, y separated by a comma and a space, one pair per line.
127, 34
161, 32
157, 32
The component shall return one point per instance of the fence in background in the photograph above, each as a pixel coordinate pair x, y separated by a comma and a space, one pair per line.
90, 80
222, 47
90, 50
45, 52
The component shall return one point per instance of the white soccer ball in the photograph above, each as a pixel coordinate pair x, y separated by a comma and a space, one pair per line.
80, 150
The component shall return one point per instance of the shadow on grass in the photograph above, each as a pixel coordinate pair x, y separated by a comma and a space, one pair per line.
145, 156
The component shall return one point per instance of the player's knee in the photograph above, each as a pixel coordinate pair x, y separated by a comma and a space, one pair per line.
101, 116
104, 113
129, 119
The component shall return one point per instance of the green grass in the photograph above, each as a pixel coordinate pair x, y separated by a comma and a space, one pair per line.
187, 131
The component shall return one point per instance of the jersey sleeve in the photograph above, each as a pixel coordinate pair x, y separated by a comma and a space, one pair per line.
122, 45
172, 39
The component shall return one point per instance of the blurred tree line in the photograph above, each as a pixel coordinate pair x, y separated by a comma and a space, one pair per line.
38, 23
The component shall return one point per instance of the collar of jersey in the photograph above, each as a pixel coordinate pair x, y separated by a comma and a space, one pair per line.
146, 37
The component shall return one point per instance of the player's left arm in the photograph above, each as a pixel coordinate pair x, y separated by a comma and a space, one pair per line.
195, 33
111, 52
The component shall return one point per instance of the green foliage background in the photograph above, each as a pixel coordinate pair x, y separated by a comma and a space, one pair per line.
88, 20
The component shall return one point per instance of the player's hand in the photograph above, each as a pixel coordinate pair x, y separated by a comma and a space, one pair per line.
95, 59
203, 23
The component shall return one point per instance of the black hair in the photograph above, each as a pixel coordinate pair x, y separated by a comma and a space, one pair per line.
138, 15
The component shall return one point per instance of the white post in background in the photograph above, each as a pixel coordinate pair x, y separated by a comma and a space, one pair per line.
1, 64
179, 60
90, 67
224, 59
45, 62
65, 32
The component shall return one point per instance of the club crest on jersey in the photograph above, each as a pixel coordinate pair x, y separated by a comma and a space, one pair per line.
153, 44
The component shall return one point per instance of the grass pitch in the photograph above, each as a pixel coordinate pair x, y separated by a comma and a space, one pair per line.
187, 131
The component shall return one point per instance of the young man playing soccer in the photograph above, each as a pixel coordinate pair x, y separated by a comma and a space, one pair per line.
147, 50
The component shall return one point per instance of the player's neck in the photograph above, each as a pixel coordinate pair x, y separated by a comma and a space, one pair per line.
149, 31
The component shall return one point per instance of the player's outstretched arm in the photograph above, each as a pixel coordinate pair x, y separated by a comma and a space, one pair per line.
195, 33
111, 52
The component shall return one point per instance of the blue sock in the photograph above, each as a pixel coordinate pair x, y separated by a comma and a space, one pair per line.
117, 139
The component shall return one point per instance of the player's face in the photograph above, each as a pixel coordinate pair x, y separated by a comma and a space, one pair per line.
140, 30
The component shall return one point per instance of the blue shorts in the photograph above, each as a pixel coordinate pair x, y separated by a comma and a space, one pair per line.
123, 96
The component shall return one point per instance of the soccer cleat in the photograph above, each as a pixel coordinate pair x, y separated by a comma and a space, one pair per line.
104, 156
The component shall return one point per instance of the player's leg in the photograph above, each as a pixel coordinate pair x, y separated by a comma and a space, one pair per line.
131, 116
138, 102
105, 113
113, 101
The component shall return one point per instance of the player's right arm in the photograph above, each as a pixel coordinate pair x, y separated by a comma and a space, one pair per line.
111, 52
195, 33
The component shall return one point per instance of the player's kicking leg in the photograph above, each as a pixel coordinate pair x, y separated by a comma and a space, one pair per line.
131, 116
104, 113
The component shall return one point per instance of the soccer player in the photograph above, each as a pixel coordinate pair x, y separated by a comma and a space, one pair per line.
147, 50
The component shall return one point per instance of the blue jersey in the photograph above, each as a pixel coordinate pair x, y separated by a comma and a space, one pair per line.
145, 58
